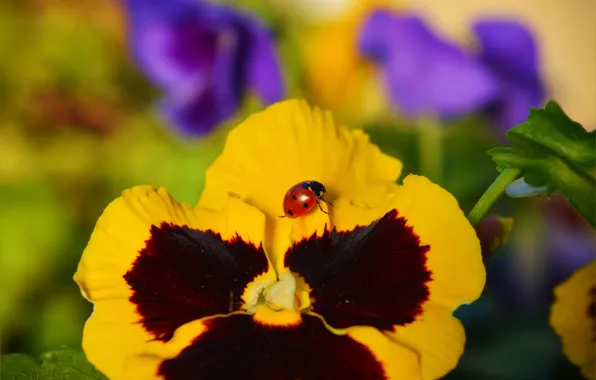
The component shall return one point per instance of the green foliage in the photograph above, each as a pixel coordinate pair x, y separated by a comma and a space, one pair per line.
34, 229
555, 152
465, 144
61, 364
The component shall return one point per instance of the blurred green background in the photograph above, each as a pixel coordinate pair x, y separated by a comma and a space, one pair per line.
77, 127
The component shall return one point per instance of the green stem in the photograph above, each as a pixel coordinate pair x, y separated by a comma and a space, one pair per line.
490, 196
430, 149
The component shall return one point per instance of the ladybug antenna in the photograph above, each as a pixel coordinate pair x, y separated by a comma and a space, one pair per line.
282, 216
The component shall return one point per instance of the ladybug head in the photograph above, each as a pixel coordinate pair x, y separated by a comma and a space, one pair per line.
317, 187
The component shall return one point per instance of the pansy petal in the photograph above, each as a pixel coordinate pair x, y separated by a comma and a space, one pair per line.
573, 317
454, 255
437, 336
153, 265
513, 106
425, 75
402, 268
168, 41
211, 96
418, 247
258, 349
204, 56
291, 142
263, 70
146, 363
373, 275
397, 360
191, 50
509, 49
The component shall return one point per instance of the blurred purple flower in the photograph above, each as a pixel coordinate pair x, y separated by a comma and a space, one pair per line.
204, 57
424, 74
509, 49
428, 75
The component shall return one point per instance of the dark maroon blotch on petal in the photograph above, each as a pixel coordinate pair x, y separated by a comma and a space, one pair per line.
184, 274
374, 275
235, 347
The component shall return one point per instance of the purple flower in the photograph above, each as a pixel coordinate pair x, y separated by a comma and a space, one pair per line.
429, 75
509, 49
204, 57
425, 74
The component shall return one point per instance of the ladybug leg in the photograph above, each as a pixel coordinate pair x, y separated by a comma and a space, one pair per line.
282, 216
329, 203
321, 207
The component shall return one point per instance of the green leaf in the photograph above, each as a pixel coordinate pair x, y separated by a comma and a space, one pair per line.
61, 364
71, 363
18, 367
554, 152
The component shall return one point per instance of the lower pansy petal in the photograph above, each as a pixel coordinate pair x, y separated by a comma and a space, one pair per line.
374, 274
437, 336
433, 216
454, 257
288, 346
401, 268
573, 317
417, 247
398, 361
153, 265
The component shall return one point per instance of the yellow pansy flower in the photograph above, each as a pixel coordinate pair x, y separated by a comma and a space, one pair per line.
573, 317
228, 289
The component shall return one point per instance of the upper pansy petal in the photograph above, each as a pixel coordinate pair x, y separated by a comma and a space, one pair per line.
153, 265
291, 142
425, 75
288, 143
258, 349
573, 317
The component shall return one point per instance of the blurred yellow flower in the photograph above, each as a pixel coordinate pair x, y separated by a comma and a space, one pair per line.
338, 77
227, 289
573, 317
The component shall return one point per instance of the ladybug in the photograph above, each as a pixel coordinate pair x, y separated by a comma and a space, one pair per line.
302, 197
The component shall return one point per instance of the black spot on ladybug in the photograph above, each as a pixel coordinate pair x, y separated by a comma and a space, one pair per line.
293, 197
306, 205
290, 212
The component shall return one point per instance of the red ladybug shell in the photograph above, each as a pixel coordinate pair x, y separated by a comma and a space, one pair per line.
301, 198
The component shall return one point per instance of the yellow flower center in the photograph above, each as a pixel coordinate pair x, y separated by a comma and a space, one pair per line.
282, 294
288, 293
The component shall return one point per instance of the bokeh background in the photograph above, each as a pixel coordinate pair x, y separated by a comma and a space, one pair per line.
78, 125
